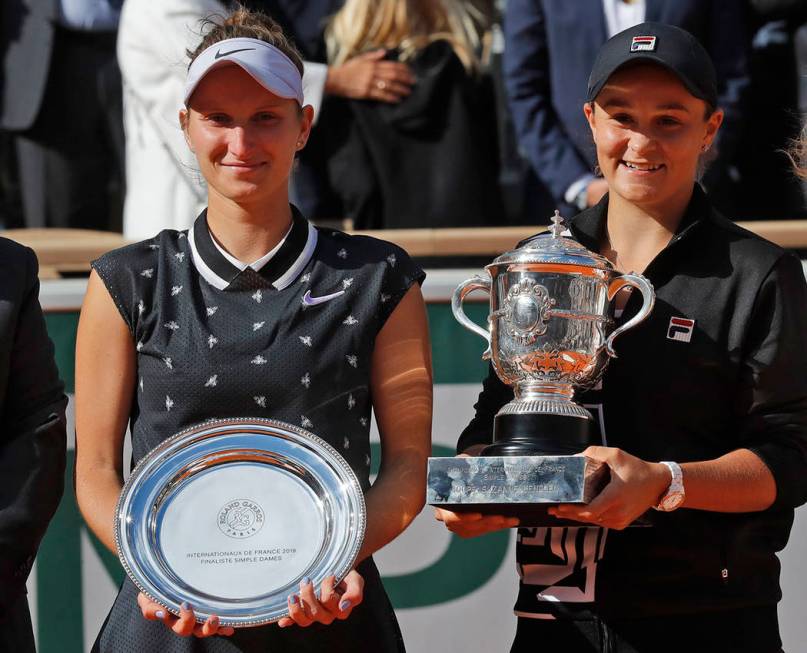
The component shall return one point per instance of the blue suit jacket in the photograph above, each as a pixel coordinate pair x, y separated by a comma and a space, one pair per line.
550, 46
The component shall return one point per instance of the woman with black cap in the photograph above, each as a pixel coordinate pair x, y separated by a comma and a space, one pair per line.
254, 312
703, 415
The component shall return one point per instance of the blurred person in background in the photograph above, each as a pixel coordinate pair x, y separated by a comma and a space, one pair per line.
32, 438
778, 105
550, 46
60, 96
10, 202
164, 187
778, 102
801, 59
354, 79
419, 156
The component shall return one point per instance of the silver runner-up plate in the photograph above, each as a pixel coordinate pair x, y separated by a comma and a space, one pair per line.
231, 515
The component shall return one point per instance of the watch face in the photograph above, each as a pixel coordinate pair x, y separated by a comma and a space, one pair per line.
672, 501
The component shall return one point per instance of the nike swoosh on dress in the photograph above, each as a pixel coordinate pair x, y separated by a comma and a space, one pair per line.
308, 300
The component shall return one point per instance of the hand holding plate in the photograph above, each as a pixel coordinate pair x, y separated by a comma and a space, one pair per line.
185, 625
335, 601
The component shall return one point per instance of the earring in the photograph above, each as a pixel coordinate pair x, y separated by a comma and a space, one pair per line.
705, 147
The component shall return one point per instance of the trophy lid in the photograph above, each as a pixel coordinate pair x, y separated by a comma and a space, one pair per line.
552, 247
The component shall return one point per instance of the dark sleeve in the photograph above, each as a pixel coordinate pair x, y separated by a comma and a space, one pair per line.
526, 69
793, 10
730, 48
494, 395
32, 432
119, 270
775, 381
400, 272
350, 169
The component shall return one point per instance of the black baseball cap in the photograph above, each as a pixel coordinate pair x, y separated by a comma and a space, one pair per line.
666, 45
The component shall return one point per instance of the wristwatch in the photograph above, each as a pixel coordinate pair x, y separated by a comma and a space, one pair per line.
674, 496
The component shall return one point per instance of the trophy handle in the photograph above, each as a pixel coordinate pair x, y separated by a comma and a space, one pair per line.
466, 287
648, 301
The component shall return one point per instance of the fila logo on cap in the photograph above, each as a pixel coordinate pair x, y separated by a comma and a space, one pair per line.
643, 44
680, 329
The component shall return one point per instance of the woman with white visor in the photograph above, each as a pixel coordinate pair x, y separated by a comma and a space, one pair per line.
254, 312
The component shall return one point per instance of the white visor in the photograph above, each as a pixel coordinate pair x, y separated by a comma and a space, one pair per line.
264, 62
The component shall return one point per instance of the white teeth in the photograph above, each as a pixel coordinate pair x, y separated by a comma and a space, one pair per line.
635, 166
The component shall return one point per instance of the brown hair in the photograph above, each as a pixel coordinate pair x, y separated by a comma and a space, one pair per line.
797, 153
245, 23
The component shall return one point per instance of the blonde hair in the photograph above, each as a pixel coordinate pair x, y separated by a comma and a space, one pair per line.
408, 25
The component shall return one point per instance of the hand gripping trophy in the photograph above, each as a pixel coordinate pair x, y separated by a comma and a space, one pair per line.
551, 332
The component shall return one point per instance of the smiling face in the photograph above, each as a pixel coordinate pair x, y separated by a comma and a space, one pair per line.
244, 136
650, 132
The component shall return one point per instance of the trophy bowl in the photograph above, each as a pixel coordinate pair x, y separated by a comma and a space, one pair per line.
231, 515
551, 332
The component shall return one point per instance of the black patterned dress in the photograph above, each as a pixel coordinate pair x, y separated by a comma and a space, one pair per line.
292, 341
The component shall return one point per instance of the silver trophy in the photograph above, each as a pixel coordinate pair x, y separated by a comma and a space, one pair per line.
232, 514
551, 332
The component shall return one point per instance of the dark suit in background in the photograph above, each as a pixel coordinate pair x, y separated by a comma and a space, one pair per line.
550, 46
304, 21
32, 438
778, 107
60, 94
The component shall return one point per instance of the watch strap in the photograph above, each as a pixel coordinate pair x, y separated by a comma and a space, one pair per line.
674, 495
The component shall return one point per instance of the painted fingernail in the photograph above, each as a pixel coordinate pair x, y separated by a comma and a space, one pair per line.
185, 605
306, 581
344, 605
293, 599
160, 614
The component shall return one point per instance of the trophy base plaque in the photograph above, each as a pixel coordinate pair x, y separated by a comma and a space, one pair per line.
517, 486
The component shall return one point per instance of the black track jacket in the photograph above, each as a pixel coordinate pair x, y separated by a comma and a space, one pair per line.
740, 381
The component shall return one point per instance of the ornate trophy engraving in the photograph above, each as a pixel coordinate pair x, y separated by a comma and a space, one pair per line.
551, 331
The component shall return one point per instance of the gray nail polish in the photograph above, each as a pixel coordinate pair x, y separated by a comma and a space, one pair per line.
306, 581
293, 599
160, 614
344, 605
185, 605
